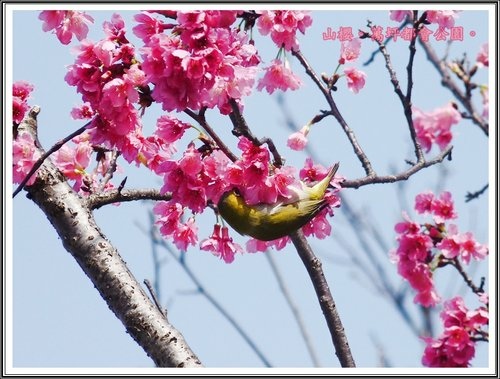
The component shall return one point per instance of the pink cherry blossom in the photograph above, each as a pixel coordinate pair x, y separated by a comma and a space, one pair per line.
199, 65
355, 79
482, 58
450, 246
470, 248
221, 245
443, 208
435, 127
24, 156
82, 112
298, 140
423, 202
170, 128
253, 246
66, 24
185, 235
283, 26
350, 50
73, 161
108, 79
445, 19
455, 347
169, 214
279, 76
400, 16
21, 91
148, 25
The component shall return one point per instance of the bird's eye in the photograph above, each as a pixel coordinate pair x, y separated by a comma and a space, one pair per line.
236, 191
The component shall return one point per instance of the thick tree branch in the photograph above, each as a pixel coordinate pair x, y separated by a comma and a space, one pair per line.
315, 271
98, 200
82, 238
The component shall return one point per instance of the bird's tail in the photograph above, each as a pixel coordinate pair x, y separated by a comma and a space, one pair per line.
319, 189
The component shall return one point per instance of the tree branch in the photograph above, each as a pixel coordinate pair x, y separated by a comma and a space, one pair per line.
448, 82
98, 258
315, 271
365, 162
98, 200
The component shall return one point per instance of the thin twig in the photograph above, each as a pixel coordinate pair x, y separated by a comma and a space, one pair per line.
202, 290
294, 309
314, 268
241, 128
474, 195
448, 82
386, 42
356, 183
155, 298
456, 263
110, 170
365, 162
200, 119
404, 98
45, 155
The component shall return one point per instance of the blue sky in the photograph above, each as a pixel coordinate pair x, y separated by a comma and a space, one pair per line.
59, 320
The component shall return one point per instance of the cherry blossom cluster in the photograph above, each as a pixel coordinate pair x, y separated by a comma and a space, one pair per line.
110, 81
435, 127
425, 247
73, 160
197, 179
24, 152
463, 328
202, 63
190, 59
283, 26
21, 91
66, 24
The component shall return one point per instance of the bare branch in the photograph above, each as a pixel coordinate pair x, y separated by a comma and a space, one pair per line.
336, 113
241, 128
405, 99
449, 83
326, 302
474, 195
200, 289
356, 183
200, 119
151, 290
98, 258
96, 201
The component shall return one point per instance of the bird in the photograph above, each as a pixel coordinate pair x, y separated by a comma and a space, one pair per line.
267, 222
